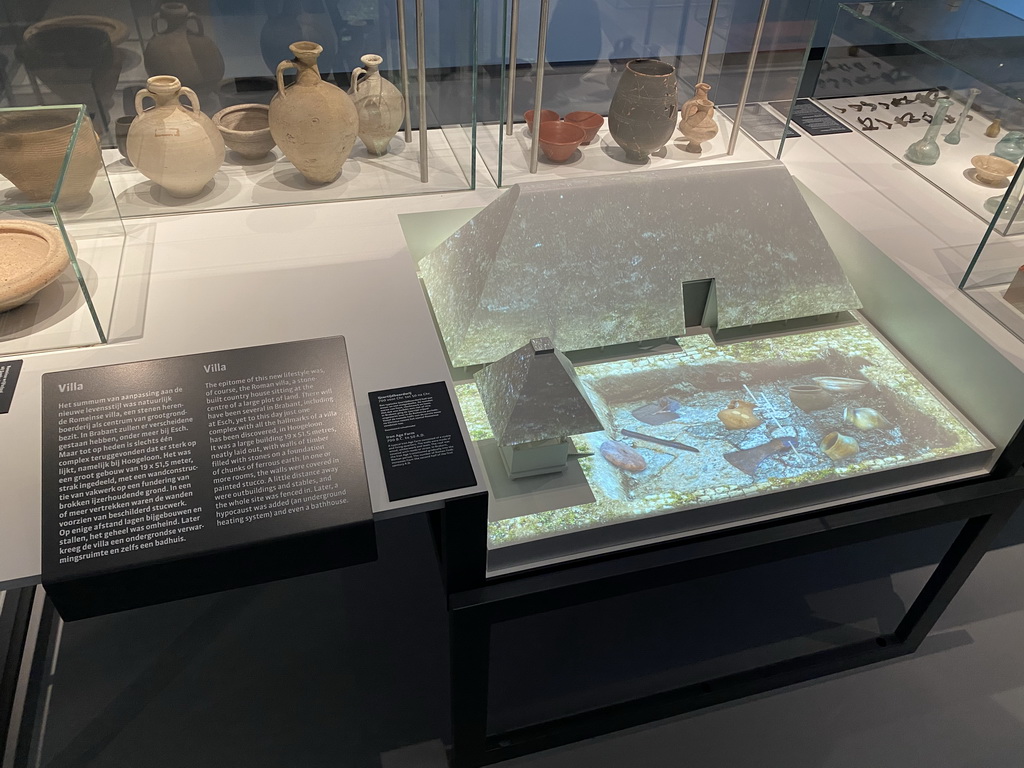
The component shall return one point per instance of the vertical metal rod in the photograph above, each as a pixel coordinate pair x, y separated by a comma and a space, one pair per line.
742, 104
513, 56
403, 55
421, 80
538, 93
707, 41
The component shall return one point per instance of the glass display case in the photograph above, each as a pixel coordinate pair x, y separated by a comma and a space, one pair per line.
745, 362
939, 89
61, 237
614, 77
212, 104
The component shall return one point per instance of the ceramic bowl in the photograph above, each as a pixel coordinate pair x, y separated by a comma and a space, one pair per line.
246, 130
992, 170
32, 255
839, 384
590, 122
116, 30
558, 140
546, 116
809, 397
33, 145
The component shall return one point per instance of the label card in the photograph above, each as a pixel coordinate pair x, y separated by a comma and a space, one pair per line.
419, 439
9, 372
814, 120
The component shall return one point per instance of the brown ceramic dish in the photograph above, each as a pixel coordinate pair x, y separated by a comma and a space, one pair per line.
590, 122
546, 116
558, 140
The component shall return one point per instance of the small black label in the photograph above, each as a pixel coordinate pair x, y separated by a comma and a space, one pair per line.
814, 120
421, 446
761, 124
9, 372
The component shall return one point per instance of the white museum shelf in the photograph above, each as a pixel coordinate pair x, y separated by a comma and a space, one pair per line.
603, 155
241, 183
953, 174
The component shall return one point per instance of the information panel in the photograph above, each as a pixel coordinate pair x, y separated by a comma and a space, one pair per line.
421, 446
165, 460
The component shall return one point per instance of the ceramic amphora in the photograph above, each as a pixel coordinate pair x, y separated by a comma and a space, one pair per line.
189, 55
642, 114
698, 124
313, 122
380, 105
32, 149
700, 92
177, 148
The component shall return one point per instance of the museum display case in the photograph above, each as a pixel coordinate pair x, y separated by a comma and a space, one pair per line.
939, 91
61, 237
738, 357
210, 105
620, 82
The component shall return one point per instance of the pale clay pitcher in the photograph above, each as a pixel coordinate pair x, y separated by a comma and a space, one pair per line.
313, 122
698, 124
176, 148
380, 104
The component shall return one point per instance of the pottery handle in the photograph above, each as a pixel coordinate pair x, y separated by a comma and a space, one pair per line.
279, 73
193, 16
356, 73
138, 100
690, 110
154, 23
189, 94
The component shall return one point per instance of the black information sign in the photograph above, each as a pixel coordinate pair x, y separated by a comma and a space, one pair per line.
9, 372
421, 446
169, 478
813, 119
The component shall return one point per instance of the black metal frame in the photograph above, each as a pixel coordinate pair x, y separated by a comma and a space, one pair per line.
475, 603
14, 628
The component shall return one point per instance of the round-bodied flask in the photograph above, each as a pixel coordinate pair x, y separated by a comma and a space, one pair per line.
380, 105
925, 151
313, 122
179, 149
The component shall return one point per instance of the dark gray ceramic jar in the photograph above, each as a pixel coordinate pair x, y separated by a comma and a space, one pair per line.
642, 115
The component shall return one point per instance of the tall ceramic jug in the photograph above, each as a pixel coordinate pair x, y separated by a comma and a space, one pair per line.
380, 104
313, 122
177, 148
192, 57
642, 114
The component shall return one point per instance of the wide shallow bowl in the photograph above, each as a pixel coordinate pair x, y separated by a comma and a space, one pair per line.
32, 255
839, 384
992, 170
116, 30
546, 116
558, 140
590, 122
246, 129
